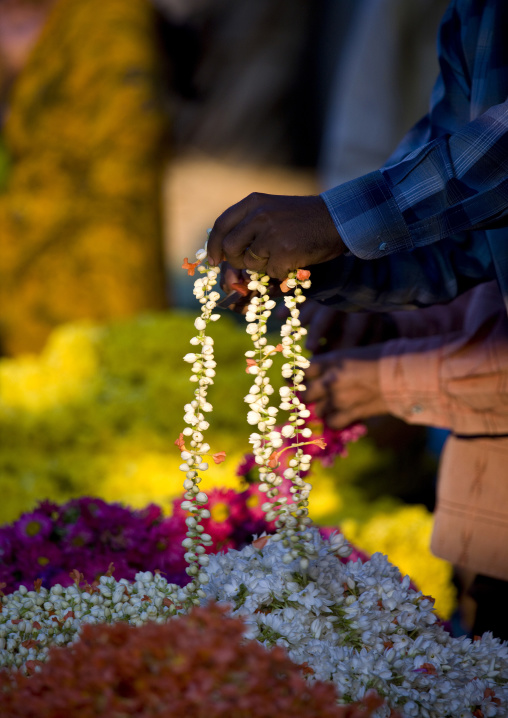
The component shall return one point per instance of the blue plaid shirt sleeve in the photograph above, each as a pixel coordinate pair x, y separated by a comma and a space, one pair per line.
453, 183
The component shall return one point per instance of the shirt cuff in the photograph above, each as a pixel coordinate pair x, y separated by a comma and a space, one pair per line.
367, 217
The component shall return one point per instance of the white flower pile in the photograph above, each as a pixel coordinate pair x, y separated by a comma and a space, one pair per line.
362, 626
356, 624
32, 621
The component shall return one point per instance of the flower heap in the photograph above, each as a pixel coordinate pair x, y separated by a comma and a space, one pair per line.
356, 624
203, 664
291, 517
362, 626
33, 620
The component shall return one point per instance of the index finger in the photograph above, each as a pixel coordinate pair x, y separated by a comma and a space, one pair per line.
223, 225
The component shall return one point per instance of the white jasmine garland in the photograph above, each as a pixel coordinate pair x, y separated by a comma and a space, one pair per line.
203, 372
32, 621
292, 520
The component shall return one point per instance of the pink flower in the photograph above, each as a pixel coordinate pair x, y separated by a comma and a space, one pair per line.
246, 465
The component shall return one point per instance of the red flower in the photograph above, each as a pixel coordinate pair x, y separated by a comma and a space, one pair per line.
273, 460
490, 693
180, 442
260, 542
427, 668
303, 274
31, 643
240, 288
320, 442
190, 266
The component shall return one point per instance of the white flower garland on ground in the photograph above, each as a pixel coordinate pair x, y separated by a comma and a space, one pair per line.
32, 621
358, 624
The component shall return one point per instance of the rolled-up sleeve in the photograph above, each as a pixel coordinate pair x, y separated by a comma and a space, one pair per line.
457, 381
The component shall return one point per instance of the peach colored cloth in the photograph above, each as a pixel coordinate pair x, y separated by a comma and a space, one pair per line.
455, 377
471, 518
451, 371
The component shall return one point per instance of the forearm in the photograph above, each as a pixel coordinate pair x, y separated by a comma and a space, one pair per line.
452, 184
454, 381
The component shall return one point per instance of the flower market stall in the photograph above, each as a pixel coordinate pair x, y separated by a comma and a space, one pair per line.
325, 630
96, 415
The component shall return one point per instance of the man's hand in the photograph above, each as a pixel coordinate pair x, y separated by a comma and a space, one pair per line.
274, 234
234, 282
330, 328
345, 386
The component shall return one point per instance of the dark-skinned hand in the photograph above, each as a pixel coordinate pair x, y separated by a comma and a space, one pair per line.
274, 234
345, 386
234, 282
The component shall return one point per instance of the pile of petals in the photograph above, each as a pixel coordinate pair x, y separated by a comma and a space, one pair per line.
356, 624
195, 666
361, 626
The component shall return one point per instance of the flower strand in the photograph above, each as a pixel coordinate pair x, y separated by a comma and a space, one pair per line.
203, 372
291, 519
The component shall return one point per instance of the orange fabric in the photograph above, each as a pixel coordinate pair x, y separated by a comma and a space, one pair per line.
471, 517
458, 379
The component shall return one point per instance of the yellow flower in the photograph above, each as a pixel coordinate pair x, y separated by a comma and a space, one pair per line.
220, 512
80, 215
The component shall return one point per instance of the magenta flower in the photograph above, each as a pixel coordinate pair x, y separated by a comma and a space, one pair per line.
35, 525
